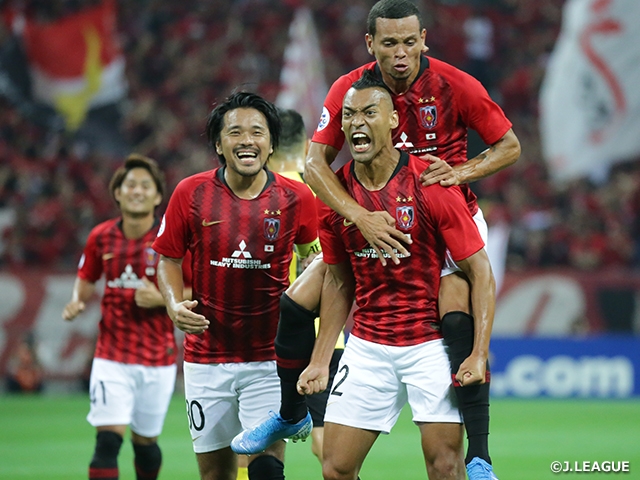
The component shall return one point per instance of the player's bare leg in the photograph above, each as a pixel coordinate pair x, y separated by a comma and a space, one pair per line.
317, 439
442, 450
218, 465
345, 449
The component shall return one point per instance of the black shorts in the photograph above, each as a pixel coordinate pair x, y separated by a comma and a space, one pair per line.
318, 403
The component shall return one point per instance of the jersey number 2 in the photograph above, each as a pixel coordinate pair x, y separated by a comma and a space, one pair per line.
334, 390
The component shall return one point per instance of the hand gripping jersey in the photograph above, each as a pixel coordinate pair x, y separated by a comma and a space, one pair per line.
434, 113
128, 333
241, 250
397, 304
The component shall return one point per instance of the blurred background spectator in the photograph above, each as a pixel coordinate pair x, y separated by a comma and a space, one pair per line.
164, 64
24, 373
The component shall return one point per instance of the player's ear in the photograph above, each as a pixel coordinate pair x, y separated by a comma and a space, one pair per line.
423, 36
158, 199
369, 41
116, 194
218, 148
395, 119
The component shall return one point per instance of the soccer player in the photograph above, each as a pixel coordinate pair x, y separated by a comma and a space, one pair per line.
436, 104
395, 353
134, 369
240, 222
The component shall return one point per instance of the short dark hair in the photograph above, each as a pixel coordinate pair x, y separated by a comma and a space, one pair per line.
292, 131
137, 161
369, 80
391, 9
243, 100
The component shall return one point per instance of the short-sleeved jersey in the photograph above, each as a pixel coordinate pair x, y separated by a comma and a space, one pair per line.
397, 304
241, 250
435, 113
128, 333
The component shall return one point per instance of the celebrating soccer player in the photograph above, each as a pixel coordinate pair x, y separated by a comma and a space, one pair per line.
240, 222
395, 353
133, 373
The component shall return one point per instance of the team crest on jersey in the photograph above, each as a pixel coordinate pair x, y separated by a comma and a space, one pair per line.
150, 256
405, 216
429, 116
271, 228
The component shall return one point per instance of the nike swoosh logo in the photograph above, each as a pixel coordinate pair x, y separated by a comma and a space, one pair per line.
347, 223
208, 224
108, 256
196, 438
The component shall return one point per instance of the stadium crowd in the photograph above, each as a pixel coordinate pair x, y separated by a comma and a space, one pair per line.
182, 57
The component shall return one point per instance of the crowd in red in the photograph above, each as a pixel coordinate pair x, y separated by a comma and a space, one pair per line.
183, 56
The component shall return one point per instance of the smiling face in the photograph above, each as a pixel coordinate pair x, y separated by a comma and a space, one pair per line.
138, 194
245, 141
367, 120
397, 46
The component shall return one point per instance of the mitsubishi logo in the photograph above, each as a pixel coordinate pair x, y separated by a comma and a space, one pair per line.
403, 143
241, 252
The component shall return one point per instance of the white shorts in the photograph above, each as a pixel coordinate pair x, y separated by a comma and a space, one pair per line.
449, 265
375, 381
225, 398
128, 394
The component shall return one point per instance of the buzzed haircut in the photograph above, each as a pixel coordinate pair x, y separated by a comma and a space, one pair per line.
215, 122
369, 80
393, 9
137, 161
293, 131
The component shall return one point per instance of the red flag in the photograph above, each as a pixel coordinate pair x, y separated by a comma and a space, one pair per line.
75, 61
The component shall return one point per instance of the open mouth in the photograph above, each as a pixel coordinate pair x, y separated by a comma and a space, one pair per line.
247, 157
360, 142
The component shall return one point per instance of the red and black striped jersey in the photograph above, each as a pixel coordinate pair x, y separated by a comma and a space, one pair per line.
397, 304
435, 113
241, 250
127, 333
